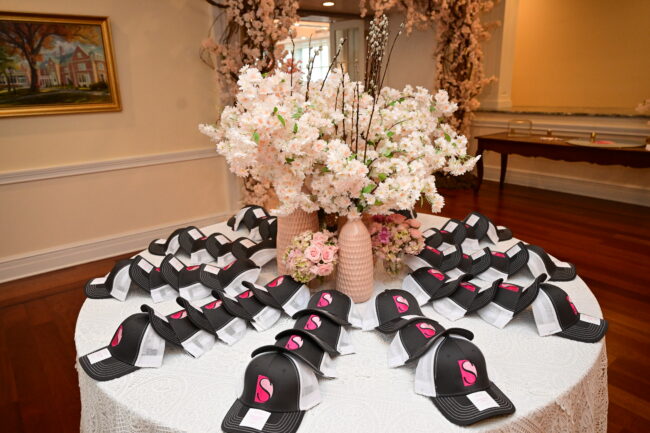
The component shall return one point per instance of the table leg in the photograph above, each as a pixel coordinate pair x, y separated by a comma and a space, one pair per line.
504, 167
479, 168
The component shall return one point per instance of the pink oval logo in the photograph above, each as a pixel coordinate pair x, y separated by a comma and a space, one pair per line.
192, 268
433, 250
426, 329
401, 303
436, 274
468, 286
325, 300
467, 372
497, 254
263, 389
247, 294
228, 266
295, 342
313, 323
276, 282
179, 315
117, 337
213, 305
573, 307
510, 287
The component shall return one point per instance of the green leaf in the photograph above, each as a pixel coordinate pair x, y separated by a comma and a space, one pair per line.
256, 137
378, 202
289, 160
388, 154
275, 110
282, 121
299, 112
295, 128
367, 189
390, 134
447, 137
324, 169
368, 161
382, 176
351, 157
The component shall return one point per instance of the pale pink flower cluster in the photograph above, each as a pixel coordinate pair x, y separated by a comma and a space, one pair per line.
392, 236
311, 255
324, 147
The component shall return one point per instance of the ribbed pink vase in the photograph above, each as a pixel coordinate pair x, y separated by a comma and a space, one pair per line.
290, 226
354, 274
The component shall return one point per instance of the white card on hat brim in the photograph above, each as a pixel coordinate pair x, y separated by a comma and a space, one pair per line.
233, 331
163, 293
482, 400
473, 218
495, 315
589, 319
195, 234
454, 274
449, 309
98, 281
98, 356
255, 419
545, 316
265, 318
199, 343
470, 245
297, 302
410, 285
397, 355
194, 292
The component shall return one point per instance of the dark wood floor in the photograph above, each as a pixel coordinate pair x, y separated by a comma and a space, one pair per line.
608, 242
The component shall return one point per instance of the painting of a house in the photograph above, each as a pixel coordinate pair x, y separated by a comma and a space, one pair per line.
65, 66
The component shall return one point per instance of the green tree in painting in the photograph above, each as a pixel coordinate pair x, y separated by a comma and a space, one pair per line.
6, 63
28, 39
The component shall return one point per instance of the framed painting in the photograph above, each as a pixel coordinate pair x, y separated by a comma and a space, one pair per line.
56, 64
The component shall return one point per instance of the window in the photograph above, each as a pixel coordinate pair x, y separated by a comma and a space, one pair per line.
320, 37
81, 67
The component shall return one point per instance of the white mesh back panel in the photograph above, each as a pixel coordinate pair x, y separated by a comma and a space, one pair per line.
233, 331
309, 390
344, 345
424, 383
199, 343
266, 318
298, 301
410, 285
545, 317
327, 366
354, 317
536, 264
195, 291
370, 319
152, 349
397, 354
173, 245
495, 315
449, 309
163, 293
121, 284
470, 245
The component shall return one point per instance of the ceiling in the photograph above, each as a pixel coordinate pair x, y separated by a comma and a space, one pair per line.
340, 6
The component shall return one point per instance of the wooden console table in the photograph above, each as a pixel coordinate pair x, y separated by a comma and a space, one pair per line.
533, 145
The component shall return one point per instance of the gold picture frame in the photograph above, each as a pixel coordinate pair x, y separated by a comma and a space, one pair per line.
68, 68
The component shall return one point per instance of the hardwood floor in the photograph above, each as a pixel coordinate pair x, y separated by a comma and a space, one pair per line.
608, 242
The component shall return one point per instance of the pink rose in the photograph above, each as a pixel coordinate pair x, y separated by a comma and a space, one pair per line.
414, 223
313, 253
328, 253
415, 233
396, 218
325, 269
319, 239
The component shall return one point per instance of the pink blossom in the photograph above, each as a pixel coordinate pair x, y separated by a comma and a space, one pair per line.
396, 218
324, 269
384, 235
415, 233
414, 223
313, 253
319, 238
328, 253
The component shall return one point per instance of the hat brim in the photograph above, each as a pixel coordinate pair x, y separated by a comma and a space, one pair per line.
529, 295
585, 331
461, 411
331, 350
336, 319
484, 298
161, 327
393, 325
555, 272
278, 422
423, 349
264, 297
96, 291
450, 287
504, 234
274, 348
107, 369
195, 316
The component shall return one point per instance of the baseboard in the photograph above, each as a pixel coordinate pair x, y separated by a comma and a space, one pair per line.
37, 262
572, 185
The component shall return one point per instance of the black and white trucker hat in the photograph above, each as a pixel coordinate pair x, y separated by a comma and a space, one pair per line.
413, 340
475, 263
480, 227
134, 345
192, 244
260, 252
215, 318
509, 300
185, 279
335, 305
435, 258
149, 278
539, 262
278, 389
162, 247
267, 229
432, 237
302, 345
390, 310
248, 216
453, 373
261, 316
230, 277
220, 247
555, 314
427, 284
282, 292
504, 265
329, 335
115, 284
177, 329
468, 297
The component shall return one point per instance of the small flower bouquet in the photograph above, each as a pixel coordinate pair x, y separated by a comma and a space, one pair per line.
394, 235
311, 255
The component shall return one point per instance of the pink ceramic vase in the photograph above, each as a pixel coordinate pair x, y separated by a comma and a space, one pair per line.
354, 274
290, 226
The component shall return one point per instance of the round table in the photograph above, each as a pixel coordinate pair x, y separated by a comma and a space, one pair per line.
557, 385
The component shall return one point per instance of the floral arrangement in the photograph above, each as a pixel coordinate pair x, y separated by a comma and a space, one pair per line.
342, 146
392, 236
311, 255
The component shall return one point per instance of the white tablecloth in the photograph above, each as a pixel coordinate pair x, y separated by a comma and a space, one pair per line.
557, 385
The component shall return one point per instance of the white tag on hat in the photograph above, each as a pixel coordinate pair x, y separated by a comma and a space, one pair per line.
98, 281
472, 220
195, 234
195, 291
428, 232
233, 331
201, 256
450, 250
98, 356
176, 264
513, 251
247, 243
589, 319
145, 265
255, 418
259, 213
211, 269
482, 400
222, 239
450, 226
163, 293
477, 254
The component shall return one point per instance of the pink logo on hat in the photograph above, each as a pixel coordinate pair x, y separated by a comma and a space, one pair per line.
117, 337
276, 282
295, 342
401, 303
573, 307
228, 265
313, 323
325, 300
179, 315
510, 287
247, 294
468, 286
467, 372
426, 329
433, 249
192, 268
497, 254
263, 389
213, 305
436, 274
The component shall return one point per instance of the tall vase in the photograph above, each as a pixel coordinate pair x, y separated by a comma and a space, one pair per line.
290, 226
354, 275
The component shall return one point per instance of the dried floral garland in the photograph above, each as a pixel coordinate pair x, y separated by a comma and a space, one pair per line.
459, 57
